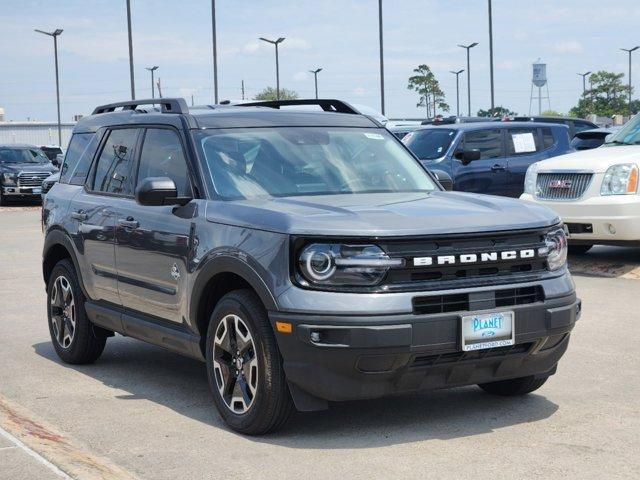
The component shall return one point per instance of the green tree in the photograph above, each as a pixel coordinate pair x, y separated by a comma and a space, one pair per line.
427, 86
497, 112
552, 113
606, 96
269, 93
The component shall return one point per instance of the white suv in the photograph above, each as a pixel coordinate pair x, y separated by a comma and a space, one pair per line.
595, 192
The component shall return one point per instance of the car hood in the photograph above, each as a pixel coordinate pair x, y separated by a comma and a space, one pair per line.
596, 160
383, 215
27, 167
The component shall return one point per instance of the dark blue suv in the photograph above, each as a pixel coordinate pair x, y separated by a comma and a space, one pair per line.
488, 157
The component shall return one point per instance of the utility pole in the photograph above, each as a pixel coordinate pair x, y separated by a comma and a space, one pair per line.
55, 34
491, 58
468, 47
381, 57
584, 84
315, 77
242, 88
457, 74
215, 51
152, 69
276, 43
133, 85
630, 51
158, 83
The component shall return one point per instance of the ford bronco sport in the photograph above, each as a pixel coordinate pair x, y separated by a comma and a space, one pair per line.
305, 256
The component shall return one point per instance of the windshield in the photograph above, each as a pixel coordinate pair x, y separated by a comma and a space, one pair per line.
629, 134
22, 155
429, 143
294, 161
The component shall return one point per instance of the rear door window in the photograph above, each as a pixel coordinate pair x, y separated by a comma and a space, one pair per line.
113, 169
488, 141
523, 141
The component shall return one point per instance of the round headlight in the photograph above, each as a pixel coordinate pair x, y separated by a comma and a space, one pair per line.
556, 249
319, 265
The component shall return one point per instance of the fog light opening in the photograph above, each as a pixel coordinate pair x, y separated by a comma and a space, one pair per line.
611, 228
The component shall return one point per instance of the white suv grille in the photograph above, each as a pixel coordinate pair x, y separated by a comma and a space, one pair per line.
562, 186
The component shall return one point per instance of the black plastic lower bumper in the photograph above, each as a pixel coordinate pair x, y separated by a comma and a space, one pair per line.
339, 358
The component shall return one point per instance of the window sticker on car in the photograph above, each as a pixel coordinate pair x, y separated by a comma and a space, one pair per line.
523, 142
375, 136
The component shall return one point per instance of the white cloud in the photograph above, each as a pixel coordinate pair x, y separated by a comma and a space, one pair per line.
569, 46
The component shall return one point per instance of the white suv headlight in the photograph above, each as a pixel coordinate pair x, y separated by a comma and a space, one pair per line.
530, 179
620, 180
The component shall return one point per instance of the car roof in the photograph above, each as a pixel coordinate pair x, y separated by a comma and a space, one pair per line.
226, 116
559, 119
491, 125
18, 145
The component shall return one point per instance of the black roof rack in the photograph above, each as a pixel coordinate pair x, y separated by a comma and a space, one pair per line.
167, 105
328, 105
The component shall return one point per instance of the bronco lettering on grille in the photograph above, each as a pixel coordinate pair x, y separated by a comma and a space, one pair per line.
467, 258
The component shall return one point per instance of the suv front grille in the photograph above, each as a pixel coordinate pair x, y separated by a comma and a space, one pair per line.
455, 357
31, 180
466, 302
562, 186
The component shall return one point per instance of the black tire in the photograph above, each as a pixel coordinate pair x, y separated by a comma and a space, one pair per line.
579, 249
3, 201
271, 405
514, 387
85, 345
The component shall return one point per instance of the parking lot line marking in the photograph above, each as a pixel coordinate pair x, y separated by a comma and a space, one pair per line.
50, 447
33, 454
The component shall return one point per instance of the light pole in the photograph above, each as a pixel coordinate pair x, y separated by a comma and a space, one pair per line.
491, 56
630, 51
467, 48
276, 43
381, 57
315, 78
584, 82
215, 51
457, 74
152, 69
55, 34
133, 85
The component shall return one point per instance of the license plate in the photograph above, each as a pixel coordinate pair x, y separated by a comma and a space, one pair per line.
487, 330
36, 190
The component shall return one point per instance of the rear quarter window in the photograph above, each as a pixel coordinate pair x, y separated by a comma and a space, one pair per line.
77, 160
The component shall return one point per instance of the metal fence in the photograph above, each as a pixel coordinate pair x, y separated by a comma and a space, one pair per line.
35, 133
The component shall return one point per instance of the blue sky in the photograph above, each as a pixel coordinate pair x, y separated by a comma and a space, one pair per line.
338, 35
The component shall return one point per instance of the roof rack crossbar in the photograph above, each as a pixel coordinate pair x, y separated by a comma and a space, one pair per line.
167, 105
328, 105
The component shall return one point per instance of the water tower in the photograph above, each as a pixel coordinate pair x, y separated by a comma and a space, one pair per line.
539, 79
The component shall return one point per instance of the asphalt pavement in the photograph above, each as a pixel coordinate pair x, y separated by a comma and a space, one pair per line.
141, 412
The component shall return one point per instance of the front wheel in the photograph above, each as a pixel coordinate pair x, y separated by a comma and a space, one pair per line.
244, 366
514, 387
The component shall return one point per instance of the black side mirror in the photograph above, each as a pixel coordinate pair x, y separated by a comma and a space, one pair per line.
444, 179
57, 160
158, 191
468, 156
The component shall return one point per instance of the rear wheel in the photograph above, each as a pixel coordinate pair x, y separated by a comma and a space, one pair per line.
244, 366
514, 387
72, 334
579, 249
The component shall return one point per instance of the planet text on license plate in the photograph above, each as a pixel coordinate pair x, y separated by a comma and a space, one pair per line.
487, 330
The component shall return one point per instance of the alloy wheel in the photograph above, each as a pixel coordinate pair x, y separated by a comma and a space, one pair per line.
63, 312
235, 364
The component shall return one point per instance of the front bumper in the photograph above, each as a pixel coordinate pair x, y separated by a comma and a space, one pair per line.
598, 219
360, 357
15, 191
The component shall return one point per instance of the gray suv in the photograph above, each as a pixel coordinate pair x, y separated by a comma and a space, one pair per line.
305, 255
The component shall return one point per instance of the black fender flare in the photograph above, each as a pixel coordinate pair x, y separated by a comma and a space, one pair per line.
58, 237
225, 263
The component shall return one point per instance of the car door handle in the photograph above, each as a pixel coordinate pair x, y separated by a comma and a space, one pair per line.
79, 215
128, 222
498, 168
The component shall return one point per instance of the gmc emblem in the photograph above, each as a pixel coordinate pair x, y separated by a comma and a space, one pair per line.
564, 184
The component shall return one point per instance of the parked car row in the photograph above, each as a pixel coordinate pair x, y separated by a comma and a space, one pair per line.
23, 169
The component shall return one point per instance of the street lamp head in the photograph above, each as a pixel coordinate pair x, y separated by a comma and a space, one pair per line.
316, 71
152, 69
468, 46
456, 72
281, 39
58, 31
629, 50
55, 33
274, 42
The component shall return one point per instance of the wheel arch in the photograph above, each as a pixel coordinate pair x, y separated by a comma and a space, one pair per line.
58, 246
218, 277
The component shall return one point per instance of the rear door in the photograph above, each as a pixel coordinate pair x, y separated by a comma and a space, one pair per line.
94, 211
487, 175
524, 147
154, 243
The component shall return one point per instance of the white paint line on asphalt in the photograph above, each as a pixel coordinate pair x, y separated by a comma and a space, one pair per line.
33, 454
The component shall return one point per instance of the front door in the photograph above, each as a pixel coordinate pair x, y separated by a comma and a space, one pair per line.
524, 147
489, 173
153, 244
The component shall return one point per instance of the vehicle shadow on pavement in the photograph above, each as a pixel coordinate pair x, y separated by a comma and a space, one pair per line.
609, 262
179, 383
